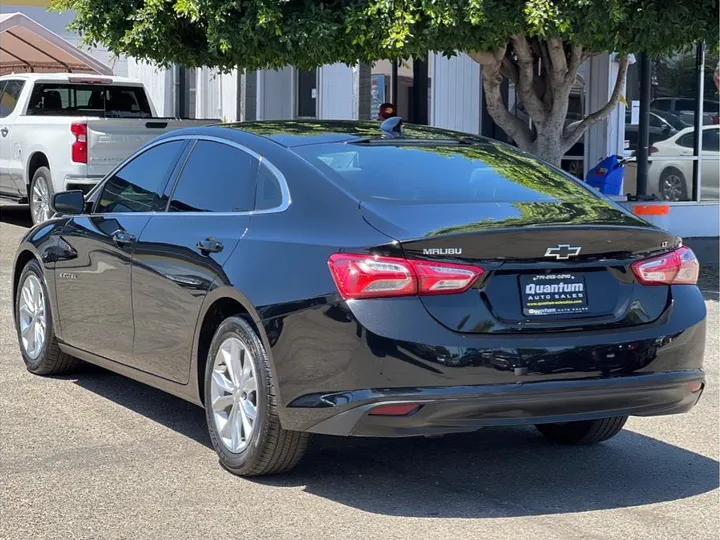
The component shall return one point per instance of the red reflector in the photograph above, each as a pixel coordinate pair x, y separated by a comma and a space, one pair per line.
679, 267
395, 409
79, 147
695, 387
651, 209
370, 276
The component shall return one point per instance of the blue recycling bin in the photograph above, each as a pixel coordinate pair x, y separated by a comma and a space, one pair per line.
607, 176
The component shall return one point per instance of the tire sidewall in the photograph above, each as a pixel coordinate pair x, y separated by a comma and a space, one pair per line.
238, 328
34, 268
43, 172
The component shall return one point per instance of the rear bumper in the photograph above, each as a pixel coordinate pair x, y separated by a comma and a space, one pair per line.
468, 408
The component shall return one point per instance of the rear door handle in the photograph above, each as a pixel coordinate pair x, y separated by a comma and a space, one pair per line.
4, 131
123, 238
209, 245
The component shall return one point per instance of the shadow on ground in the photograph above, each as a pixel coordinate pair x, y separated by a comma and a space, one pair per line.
494, 472
16, 214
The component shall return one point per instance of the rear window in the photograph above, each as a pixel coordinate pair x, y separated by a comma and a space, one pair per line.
116, 101
441, 173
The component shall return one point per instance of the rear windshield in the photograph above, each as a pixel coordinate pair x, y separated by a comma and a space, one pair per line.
50, 99
485, 172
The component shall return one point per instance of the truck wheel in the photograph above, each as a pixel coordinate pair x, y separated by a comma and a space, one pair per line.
241, 405
40, 196
583, 432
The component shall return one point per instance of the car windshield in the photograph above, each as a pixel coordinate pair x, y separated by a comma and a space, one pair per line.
67, 99
437, 173
670, 118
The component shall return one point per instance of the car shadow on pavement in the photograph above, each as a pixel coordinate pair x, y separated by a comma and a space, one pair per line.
15, 214
496, 472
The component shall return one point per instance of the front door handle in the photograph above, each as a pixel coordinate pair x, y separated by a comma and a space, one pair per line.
209, 245
122, 238
4, 131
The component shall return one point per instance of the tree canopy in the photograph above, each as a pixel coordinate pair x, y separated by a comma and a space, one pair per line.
537, 44
257, 34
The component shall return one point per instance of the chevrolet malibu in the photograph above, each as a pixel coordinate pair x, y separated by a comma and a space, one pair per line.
360, 279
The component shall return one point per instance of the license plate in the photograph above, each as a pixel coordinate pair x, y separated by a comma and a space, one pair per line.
553, 294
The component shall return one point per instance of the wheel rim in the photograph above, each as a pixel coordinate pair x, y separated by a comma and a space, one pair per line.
40, 200
31, 315
233, 395
673, 187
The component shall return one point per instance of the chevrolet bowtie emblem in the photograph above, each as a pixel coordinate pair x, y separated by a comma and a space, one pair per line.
563, 251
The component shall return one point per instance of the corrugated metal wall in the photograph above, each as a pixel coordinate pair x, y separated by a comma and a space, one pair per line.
456, 93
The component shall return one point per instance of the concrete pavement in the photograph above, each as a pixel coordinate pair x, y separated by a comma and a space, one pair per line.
95, 455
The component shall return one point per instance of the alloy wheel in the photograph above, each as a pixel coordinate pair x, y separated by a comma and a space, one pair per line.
673, 187
233, 395
40, 203
31, 315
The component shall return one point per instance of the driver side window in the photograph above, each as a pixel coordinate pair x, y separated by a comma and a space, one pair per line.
138, 185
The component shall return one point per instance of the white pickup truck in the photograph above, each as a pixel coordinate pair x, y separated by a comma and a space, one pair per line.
67, 131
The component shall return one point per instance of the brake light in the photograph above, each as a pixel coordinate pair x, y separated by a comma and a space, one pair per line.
679, 267
79, 147
652, 150
370, 276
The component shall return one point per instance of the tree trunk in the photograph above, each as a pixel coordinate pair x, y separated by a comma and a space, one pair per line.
544, 72
548, 144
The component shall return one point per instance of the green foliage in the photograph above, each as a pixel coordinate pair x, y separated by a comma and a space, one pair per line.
255, 34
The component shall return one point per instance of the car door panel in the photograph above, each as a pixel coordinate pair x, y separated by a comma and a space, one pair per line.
94, 278
182, 251
93, 284
170, 279
11, 166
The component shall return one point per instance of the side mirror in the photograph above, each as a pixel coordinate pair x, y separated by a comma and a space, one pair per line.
69, 202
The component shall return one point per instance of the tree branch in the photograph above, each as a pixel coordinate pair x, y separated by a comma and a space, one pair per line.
492, 64
556, 51
526, 72
577, 129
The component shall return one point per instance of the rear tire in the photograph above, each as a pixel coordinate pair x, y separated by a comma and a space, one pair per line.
40, 195
673, 185
583, 432
41, 356
260, 446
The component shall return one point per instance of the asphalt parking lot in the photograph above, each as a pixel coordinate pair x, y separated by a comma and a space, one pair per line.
95, 455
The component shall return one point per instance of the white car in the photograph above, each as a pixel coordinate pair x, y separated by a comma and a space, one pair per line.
671, 167
67, 131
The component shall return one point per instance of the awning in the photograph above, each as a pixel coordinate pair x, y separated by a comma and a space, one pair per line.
29, 47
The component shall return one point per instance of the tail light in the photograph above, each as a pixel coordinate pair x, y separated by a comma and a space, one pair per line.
679, 267
369, 276
652, 149
79, 147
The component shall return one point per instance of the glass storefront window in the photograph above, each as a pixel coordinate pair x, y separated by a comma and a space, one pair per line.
673, 106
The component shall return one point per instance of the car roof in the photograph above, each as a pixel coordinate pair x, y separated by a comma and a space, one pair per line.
65, 77
290, 133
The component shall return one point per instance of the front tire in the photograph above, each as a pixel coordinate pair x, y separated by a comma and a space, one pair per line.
34, 325
241, 405
583, 432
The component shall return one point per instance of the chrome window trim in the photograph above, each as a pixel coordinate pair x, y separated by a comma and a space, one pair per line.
284, 189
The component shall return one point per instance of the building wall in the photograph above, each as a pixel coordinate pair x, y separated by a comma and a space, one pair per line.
158, 83
275, 98
456, 93
58, 23
335, 91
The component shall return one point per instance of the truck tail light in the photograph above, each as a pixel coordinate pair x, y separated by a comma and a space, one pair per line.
679, 267
370, 276
79, 147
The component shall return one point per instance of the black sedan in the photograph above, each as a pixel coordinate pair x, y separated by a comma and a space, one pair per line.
354, 279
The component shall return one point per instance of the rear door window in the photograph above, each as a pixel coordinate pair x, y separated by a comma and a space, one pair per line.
441, 173
216, 178
9, 96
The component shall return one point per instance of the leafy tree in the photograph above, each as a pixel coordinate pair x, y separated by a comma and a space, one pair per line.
537, 44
